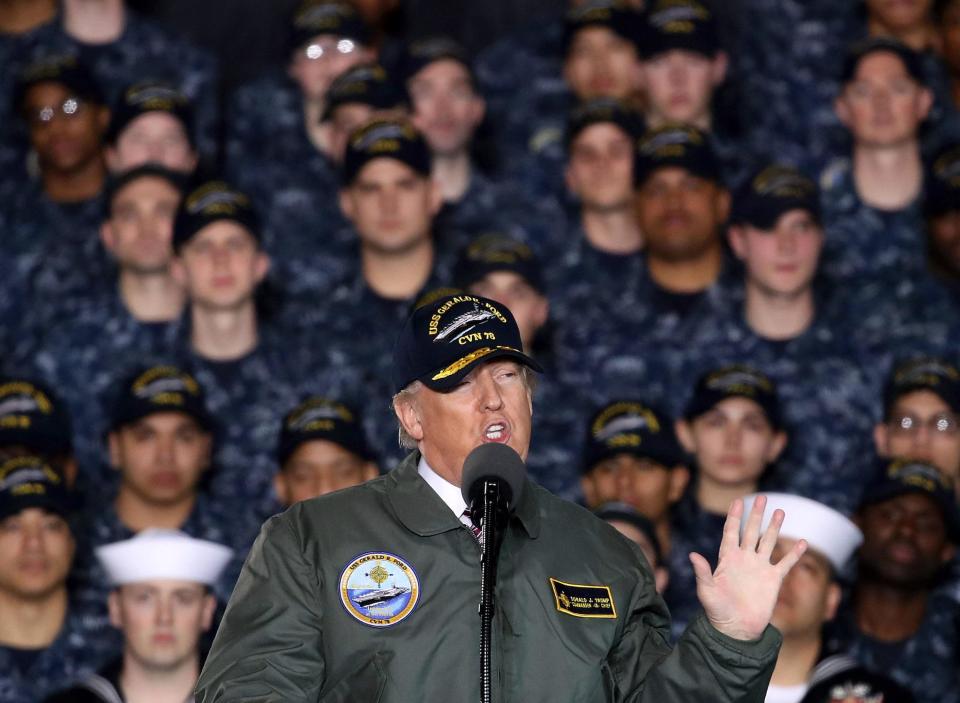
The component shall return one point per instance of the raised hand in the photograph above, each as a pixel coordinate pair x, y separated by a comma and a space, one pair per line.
740, 595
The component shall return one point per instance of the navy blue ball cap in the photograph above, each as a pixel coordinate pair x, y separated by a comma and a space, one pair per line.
615, 15
773, 191
599, 111
67, 70
210, 202
148, 96
118, 181
27, 481
320, 418
33, 416
942, 185
677, 145
337, 18
421, 53
631, 427
624, 512
871, 45
385, 138
925, 373
688, 25
368, 84
495, 251
442, 341
897, 477
160, 389
735, 381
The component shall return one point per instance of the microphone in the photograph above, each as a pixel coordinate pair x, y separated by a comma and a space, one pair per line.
492, 484
496, 463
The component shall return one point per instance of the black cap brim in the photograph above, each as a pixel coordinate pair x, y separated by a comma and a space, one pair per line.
446, 378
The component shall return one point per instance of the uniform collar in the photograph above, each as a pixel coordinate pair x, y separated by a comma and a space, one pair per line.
423, 511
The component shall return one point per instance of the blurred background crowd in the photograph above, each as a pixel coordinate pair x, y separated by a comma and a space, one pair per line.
729, 232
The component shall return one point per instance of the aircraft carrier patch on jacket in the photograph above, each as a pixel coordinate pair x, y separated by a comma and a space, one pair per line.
583, 601
379, 589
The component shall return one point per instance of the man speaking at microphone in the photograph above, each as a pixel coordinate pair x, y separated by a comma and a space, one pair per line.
371, 594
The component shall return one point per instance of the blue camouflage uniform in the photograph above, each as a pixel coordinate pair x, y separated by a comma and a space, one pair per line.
143, 50
827, 399
864, 241
927, 663
78, 651
86, 351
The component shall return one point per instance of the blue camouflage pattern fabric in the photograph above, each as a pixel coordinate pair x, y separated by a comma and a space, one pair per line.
142, 51
827, 400
78, 651
862, 241
928, 663
91, 345
692, 529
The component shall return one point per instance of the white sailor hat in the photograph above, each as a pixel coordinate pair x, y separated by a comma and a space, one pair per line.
826, 530
157, 554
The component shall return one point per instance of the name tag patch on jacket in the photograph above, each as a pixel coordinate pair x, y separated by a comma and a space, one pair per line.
583, 601
379, 589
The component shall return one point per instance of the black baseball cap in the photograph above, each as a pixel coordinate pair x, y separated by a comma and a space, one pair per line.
679, 145
688, 25
148, 96
927, 373
423, 52
942, 186
773, 191
385, 138
871, 45
67, 70
496, 251
735, 381
903, 476
160, 389
117, 182
615, 15
314, 18
318, 417
368, 84
33, 416
624, 512
442, 341
27, 481
210, 202
631, 427
602, 110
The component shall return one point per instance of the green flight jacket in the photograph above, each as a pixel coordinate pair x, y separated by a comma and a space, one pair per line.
295, 629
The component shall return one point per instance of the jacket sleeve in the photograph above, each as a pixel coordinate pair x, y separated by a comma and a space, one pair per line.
269, 645
705, 666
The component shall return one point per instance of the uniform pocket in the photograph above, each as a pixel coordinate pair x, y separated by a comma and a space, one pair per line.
365, 683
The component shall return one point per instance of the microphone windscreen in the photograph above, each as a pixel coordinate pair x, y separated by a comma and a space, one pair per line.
493, 460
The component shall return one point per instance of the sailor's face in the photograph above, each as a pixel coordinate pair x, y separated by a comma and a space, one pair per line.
492, 404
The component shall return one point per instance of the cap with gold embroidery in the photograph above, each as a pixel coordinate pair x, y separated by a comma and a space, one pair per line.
901, 476
322, 418
335, 18
942, 184
615, 15
496, 251
687, 25
771, 192
442, 341
735, 381
27, 481
631, 427
210, 202
367, 84
148, 96
384, 138
927, 373
32, 416
677, 145
160, 389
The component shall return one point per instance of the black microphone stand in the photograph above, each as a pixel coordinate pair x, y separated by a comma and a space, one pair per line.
494, 513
